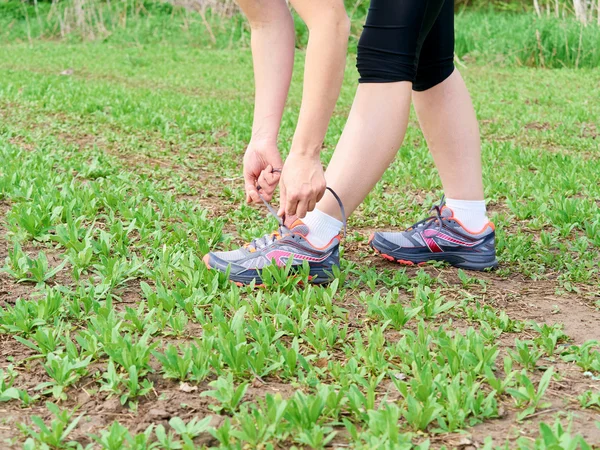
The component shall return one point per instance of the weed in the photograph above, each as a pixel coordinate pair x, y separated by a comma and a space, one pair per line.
527, 354
53, 435
589, 399
527, 395
64, 371
226, 394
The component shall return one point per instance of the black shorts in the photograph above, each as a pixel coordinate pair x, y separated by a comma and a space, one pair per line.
407, 40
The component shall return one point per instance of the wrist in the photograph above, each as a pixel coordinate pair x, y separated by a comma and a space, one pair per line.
306, 151
263, 141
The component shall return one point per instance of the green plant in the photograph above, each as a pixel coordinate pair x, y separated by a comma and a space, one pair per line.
260, 423
527, 354
44, 341
549, 337
391, 309
498, 384
128, 352
527, 395
303, 413
167, 440
432, 303
64, 371
192, 429
586, 356
7, 379
114, 438
589, 399
133, 388
53, 435
556, 436
226, 393
176, 363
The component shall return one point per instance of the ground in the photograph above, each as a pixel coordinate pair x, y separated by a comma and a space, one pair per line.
121, 167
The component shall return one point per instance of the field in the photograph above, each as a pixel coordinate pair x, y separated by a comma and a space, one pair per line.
120, 166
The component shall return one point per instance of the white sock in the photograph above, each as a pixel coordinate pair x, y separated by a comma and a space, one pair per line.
471, 213
322, 228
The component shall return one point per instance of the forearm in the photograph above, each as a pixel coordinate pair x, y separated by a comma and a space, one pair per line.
323, 76
273, 56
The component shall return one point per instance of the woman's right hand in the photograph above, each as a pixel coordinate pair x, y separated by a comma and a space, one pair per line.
260, 161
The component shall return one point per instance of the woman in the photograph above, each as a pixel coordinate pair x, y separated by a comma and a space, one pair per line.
405, 53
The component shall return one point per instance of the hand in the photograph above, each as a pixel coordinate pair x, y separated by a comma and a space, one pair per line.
259, 162
302, 184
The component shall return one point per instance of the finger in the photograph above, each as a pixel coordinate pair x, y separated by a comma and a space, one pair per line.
291, 206
265, 195
267, 188
282, 201
290, 220
252, 194
321, 194
301, 208
250, 186
272, 178
311, 205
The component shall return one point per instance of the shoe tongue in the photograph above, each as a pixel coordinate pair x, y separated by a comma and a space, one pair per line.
299, 227
446, 212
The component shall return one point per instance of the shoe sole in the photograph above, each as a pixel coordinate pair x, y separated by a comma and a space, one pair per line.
316, 276
461, 260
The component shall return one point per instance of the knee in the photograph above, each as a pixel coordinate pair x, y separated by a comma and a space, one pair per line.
334, 19
431, 74
266, 15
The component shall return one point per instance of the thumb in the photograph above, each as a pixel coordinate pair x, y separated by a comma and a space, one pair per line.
282, 200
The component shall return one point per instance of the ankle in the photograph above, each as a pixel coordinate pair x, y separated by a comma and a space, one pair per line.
472, 214
322, 228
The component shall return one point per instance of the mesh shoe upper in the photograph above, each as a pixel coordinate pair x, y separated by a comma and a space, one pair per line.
244, 264
448, 233
280, 247
441, 233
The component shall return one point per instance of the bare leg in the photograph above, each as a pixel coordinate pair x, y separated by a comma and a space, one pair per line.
448, 121
371, 138
273, 56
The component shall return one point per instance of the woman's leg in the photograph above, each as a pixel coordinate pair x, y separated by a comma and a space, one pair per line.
376, 129
387, 62
371, 138
448, 121
460, 233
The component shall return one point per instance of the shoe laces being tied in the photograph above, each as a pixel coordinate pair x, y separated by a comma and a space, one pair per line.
268, 239
437, 217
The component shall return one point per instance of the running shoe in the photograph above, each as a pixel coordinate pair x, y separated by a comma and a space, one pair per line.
245, 264
440, 237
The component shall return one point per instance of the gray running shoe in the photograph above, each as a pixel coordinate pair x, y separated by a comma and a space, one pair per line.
245, 264
440, 237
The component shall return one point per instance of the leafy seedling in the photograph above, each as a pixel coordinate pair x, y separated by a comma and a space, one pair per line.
54, 435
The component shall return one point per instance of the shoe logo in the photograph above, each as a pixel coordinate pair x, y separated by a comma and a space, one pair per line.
428, 236
281, 257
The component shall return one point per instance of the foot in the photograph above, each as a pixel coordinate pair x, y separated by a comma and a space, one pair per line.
277, 248
245, 264
440, 237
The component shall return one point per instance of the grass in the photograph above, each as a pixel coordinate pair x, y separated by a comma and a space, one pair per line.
487, 36
117, 175
526, 40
